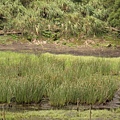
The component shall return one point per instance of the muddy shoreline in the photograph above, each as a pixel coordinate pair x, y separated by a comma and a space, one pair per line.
62, 49
46, 106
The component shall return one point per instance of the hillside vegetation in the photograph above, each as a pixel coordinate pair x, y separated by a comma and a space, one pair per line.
56, 19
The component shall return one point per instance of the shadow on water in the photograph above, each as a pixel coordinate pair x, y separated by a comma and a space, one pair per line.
37, 107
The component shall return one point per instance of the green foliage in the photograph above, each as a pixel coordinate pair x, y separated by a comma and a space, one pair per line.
114, 18
26, 2
61, 114
62, 79
69, 17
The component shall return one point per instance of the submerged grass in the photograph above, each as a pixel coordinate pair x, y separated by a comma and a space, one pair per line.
61, 78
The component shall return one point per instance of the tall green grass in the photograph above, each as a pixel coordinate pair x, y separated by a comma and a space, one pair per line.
61, 78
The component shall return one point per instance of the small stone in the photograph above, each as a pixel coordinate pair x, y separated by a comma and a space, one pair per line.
109, 45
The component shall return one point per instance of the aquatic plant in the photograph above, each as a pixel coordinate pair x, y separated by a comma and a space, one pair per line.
61, 78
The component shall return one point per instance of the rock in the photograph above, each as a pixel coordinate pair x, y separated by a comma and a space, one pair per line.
109, 45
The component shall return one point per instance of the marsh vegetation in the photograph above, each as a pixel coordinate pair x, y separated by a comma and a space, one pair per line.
63, 115
60, 78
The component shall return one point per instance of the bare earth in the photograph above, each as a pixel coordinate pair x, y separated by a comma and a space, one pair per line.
62, 49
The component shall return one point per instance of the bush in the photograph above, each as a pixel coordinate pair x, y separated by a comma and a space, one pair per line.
69, 18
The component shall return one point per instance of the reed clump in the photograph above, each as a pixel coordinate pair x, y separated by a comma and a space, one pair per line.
61, 78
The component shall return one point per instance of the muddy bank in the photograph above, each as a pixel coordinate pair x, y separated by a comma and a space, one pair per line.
62, 49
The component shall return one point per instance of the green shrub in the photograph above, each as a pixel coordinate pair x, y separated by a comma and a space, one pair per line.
69, 18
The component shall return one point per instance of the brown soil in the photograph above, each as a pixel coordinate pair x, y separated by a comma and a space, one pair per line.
62, 49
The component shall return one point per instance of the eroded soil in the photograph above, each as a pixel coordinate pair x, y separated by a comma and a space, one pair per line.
82, 50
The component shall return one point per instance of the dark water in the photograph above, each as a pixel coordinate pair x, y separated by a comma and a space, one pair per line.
19, 108
35, 107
